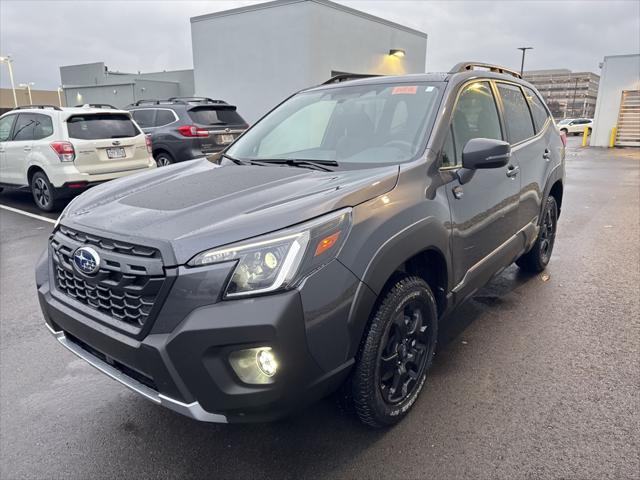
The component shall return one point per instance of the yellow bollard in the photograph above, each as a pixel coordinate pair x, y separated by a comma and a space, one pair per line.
612, 138
585, 136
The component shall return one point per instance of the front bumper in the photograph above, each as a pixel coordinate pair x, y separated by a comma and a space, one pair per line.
182, 362
192, 410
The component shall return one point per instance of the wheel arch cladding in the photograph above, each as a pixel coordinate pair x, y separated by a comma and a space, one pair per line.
404, 253
556, 191
33, 169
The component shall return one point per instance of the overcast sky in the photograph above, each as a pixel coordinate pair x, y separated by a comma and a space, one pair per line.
155, 35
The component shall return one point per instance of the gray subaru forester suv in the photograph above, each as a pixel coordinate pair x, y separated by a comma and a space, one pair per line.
318, 253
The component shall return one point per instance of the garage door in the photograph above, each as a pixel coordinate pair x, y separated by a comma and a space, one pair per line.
629, 120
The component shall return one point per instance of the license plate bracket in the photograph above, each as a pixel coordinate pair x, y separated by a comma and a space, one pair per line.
116, 152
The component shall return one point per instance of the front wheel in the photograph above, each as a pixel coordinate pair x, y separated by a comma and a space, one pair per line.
396, 352
537, 259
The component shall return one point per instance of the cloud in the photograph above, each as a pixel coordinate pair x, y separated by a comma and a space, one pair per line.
155, 35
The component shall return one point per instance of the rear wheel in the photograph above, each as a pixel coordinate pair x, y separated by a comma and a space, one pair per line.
396, 352
537, 259
163, 159
43, 192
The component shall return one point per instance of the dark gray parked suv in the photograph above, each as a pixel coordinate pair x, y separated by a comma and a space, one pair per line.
184, 128
319, 253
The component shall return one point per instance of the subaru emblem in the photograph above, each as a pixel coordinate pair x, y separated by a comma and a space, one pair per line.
86, 260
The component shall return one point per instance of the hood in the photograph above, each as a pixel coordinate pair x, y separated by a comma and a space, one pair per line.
193, 206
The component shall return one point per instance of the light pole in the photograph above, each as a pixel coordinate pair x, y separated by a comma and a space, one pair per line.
524, 51
28, 87
7, 59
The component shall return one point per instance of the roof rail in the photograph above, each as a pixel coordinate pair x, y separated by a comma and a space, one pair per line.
96, 105
25, 107
345, 77
195, 99
464, 66
140, 102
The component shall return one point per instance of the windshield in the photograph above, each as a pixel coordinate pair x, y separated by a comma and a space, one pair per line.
565, 121
384, 123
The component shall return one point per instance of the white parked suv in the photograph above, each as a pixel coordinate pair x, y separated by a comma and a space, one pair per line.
59, 152
575, 125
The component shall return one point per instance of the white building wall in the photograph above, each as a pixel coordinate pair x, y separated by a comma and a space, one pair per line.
255, 57
619, 72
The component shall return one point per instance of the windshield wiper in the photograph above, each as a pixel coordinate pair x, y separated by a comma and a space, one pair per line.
299, 162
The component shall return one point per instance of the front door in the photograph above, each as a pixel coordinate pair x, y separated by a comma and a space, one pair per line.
484, 210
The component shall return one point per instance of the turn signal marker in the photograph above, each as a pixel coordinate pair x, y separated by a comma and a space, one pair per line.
326, 243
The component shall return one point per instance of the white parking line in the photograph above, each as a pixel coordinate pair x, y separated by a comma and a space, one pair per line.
27, 214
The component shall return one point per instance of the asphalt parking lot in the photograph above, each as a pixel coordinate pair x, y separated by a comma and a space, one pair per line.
536, 377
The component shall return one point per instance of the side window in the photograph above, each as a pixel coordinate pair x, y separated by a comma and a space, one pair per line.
5, 127
145, 117
475, 116
25, 127
43, 127
164, 117
516, 113
540, 114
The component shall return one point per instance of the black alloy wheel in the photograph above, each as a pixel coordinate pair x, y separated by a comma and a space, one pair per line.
537, 259
404, 353
396, 351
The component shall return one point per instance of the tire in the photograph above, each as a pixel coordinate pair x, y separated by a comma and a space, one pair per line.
537, 259
44, 194
163, 159
396, 351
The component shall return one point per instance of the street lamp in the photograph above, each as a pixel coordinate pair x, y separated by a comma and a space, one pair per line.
524, 50
7, 59
28, 87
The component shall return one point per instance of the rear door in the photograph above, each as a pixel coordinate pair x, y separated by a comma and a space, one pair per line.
28, 131
484, 211
6, 128
530, 146
223, 123
106, 142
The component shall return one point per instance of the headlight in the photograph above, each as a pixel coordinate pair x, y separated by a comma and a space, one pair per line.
277, 261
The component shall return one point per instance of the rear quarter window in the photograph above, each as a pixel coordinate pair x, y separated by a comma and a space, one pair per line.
215, 116
101, 125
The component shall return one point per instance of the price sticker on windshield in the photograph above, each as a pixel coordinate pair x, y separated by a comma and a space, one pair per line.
404, 90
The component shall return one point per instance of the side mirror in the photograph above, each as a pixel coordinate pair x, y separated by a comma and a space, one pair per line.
485, 153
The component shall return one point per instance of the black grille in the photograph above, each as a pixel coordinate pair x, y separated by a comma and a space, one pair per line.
126, 286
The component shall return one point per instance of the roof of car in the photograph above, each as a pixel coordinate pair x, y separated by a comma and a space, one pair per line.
460, 71
68, 111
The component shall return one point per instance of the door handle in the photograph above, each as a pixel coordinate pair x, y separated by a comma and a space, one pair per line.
547, 154
512, 171
27, 148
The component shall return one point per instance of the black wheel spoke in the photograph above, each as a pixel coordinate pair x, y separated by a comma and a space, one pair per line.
404, 354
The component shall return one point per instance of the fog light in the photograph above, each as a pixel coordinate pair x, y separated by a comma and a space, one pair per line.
267, 362
254, 365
